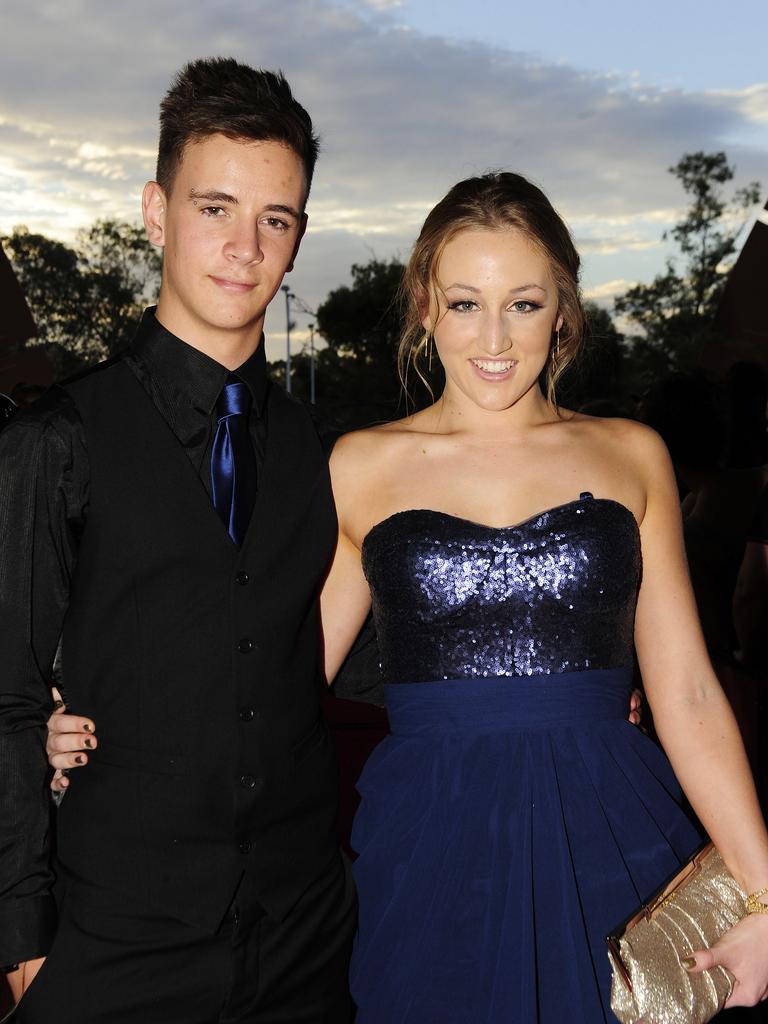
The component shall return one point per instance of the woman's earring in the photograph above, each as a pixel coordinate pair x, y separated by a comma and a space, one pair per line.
426, 343
556, 346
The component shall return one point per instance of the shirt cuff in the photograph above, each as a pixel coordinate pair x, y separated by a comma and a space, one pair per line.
28, 928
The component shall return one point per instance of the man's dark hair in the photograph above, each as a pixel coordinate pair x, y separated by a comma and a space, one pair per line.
221, 96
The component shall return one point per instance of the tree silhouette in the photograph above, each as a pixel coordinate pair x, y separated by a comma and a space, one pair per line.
357, 381
675, 311
600, 376
86, 299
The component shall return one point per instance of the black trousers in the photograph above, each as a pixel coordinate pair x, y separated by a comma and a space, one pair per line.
115, 963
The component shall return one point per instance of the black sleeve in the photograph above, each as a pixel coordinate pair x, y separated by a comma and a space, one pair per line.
359, 678
758, 530
327, 433
43, 502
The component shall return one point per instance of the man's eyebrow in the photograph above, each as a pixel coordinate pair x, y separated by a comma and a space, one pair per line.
281, 208
213, 196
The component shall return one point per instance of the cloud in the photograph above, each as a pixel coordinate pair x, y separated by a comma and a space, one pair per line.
608, 290
751, 101
402, 116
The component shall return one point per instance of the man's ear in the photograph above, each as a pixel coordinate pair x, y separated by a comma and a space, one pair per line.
153, 204
299, 236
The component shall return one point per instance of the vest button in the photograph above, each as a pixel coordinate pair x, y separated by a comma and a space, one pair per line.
245, 846
242, 578
245, 645
246, 714
249, 782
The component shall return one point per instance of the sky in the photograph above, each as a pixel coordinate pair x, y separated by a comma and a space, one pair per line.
594, 101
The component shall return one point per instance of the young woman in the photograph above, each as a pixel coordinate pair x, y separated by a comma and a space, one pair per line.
517, 555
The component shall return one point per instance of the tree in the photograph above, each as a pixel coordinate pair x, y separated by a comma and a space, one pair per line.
598, 377
357, 378
675, 311
86, 299
362, 323
116, 248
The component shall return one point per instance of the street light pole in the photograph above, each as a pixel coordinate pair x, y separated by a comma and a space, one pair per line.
312, 364
288, 297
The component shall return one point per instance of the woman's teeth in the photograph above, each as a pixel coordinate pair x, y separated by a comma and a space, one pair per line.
495, 365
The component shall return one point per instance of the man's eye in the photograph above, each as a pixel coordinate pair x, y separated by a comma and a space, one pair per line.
276, 222
213, 211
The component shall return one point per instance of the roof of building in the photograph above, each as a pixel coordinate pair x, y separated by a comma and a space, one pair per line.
16, 324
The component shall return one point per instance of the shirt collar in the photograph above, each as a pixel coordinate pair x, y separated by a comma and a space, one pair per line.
191, 372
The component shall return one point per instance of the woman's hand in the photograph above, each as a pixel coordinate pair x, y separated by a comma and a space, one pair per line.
70, 737
743, 950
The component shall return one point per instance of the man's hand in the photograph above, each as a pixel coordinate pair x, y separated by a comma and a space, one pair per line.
70, 737
20, 979
636, 708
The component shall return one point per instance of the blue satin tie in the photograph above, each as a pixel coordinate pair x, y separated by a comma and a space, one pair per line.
233, 463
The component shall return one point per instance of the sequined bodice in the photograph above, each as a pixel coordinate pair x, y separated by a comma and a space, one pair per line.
454, 599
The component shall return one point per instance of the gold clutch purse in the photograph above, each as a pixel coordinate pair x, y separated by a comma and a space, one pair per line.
691, 911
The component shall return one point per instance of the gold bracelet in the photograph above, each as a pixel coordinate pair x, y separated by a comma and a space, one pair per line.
754, 906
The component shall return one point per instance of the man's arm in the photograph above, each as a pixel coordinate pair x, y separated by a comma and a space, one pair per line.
43, 496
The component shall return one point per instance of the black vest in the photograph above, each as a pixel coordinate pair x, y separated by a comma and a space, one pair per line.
199, 664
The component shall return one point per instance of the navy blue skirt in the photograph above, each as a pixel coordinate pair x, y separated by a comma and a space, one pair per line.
506, 826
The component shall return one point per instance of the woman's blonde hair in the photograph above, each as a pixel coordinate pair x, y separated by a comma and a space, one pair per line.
492, 201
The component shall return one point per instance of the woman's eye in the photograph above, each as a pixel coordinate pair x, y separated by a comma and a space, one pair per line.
463, 305
524, 306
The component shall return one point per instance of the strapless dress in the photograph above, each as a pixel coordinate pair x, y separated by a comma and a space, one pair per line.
513, 816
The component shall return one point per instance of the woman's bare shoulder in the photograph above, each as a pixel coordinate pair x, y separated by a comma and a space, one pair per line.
628, 459
633, 439
361, 449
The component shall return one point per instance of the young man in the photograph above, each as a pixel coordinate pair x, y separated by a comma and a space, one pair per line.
168, 514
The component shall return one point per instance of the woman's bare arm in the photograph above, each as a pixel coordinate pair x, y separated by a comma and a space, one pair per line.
693, 718
346, 599
344, 605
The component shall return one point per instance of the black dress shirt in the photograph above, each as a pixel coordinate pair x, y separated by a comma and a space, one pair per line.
184, 385
44, 486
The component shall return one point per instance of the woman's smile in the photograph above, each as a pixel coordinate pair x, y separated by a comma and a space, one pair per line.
494, 369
